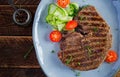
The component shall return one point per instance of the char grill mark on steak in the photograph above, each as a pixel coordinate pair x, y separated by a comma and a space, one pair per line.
87, 47
81, 59
89, 13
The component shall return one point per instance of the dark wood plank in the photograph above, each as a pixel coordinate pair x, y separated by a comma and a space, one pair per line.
15, 41
12, 51
22, 73
7, 26
21, 2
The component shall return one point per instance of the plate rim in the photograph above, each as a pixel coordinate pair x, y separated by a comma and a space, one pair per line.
34, 42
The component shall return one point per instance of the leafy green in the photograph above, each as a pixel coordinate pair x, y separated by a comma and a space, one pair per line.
58, 17
81, 17
95, 29
69, 60
52, 51
79, 63
77, 74
28, 52
89, 50
72, 9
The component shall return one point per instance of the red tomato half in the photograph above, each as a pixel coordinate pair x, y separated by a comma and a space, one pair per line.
71, 25
55, 36
63, 3
111, 56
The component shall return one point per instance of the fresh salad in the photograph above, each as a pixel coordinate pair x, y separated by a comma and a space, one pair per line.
60, 13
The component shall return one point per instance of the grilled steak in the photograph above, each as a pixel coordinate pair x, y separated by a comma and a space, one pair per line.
86, 48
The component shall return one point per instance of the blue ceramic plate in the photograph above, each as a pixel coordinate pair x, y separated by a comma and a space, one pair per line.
50, 63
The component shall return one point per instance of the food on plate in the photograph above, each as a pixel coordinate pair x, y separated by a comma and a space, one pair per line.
63, 3
58, 17
72, 9
111, 56
86, 47
55, 36
71, 25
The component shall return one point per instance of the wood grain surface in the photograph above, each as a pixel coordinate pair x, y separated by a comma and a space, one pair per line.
16, 41
21, 73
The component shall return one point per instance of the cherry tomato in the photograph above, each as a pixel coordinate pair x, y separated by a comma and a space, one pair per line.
71, 25
55, 36
111, 56
63, 3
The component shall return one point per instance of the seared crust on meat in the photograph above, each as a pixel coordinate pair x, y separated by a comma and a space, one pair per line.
86, 48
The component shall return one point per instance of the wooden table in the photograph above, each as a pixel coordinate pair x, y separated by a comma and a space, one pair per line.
15, 41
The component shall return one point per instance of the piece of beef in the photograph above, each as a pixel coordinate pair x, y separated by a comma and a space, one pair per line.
86, 48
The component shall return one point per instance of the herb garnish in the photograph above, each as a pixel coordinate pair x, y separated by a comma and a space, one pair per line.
89, 50
95, 29
73, 70
28, 52
98, 42
77, 74
78, 63
52, 51
81, 17
69, 60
